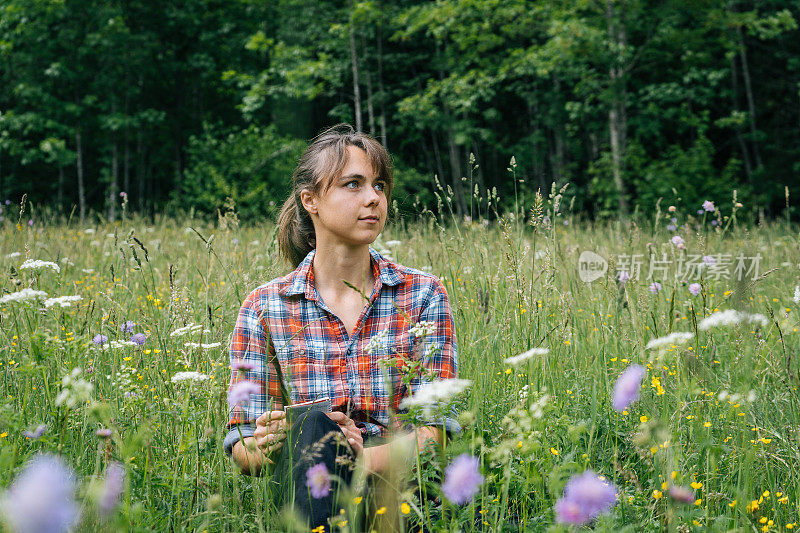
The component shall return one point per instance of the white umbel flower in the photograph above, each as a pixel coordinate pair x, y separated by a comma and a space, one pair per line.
424, 328
796, 297
62, 301
731, 317
181, 377
377, 342
23, 296
676, 338
430, 394
204, 346
36, 264
75, 390
189, 329
524, 356
12, 255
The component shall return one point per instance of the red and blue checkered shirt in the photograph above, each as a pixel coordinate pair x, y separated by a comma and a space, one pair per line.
287, 320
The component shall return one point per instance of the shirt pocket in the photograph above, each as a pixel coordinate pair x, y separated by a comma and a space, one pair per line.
305, 369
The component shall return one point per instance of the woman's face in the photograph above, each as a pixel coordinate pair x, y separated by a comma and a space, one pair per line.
352, 211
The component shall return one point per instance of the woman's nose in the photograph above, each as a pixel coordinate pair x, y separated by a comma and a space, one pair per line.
371, 195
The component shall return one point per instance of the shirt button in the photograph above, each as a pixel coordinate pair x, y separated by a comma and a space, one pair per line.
302, 351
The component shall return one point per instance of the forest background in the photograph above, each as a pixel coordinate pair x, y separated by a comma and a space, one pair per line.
194, 105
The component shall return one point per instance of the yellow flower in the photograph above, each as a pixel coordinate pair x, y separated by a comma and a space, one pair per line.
752, 506
790, 525
695, 485
766, 494
508, 370
733, 503
674, 474
405, 508
657, 494
553, 451
763, 520
357, 500
698, 502
381, 510
653, 449
707, 424
3, 434
642, 419
664, 486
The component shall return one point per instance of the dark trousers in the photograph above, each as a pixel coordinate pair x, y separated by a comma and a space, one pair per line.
314, 438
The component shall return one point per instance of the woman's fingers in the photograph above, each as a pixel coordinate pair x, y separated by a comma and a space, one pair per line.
270, 416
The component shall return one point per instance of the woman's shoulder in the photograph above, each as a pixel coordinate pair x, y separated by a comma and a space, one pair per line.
416, 278
266, 291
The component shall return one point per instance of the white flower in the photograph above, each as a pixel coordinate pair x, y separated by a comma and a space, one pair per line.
796, 298
189, 376
424, 328
524, 356
36, 264
431, 393
87, 270
202, 345
89, 231
74, 390
730, 317
537, 409
12, 255
62, 301
188, 330
377, 342
392, 244
23, 296
677, 337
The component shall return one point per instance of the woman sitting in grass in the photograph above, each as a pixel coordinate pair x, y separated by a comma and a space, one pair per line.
312, 334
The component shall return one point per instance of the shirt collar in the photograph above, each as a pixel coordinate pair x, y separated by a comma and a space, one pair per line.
301, 280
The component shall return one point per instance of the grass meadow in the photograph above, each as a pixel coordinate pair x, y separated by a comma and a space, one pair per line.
717, 413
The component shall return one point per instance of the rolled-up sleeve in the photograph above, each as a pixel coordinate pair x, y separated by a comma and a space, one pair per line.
439, 350
249, 345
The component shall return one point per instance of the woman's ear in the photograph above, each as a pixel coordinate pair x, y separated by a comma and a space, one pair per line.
309, 201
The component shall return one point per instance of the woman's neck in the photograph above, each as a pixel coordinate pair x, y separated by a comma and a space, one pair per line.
335, 264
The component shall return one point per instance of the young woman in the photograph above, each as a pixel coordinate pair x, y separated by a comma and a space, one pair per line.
311, 335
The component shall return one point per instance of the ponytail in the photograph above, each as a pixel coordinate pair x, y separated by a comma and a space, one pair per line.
295, 231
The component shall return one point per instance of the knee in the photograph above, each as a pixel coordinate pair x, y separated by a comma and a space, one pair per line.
313, 422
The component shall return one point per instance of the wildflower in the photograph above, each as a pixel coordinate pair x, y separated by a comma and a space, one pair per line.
203, 345
244, 366
36, 264
695, 288
708, 206
624, 277
23, 296
657, 494
681, 494
678, 242
377, 342
462, 479
405, 508
392, 244
188, 330
730, 317
424, 328
431, 393
796, 297
188, 376
381, 511
524, 356
100, 339
626, 389
75, 390
41, 500
12, 255
677, 337
103, 433
240, 393
696, 485
127, 326
112, 488
671, 227
30, 222
585, 497
139, 339
36, 434
655, 287
318, 480
671, 209
709, 260
62, 301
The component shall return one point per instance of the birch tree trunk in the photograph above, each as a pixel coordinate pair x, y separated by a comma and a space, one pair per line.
79, 173
356, 88
381, 91
617, 114
751, 105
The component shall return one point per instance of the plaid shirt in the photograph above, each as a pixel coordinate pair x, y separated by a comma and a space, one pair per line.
286, 319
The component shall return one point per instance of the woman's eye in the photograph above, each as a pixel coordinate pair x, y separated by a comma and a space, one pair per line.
351, 184
380, 186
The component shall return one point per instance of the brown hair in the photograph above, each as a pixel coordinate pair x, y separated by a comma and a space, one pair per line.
321, 164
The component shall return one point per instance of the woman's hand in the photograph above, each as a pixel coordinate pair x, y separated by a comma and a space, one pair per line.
348, 427
270, 431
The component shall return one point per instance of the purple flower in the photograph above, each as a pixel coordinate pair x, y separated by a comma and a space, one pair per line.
8, 202
624, 277
30, 222
671, 227
100, 339
240, 393
626, 389
139, 338
127, 327
678, 241
695, 289
714, 222
586, 496
655, 287
244, 366
123, 194
708, 206
36, 434
318, 480
681, 494
103, 433
674, 220
42, 497
462, 479
709, 260
113, 486
234, 241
